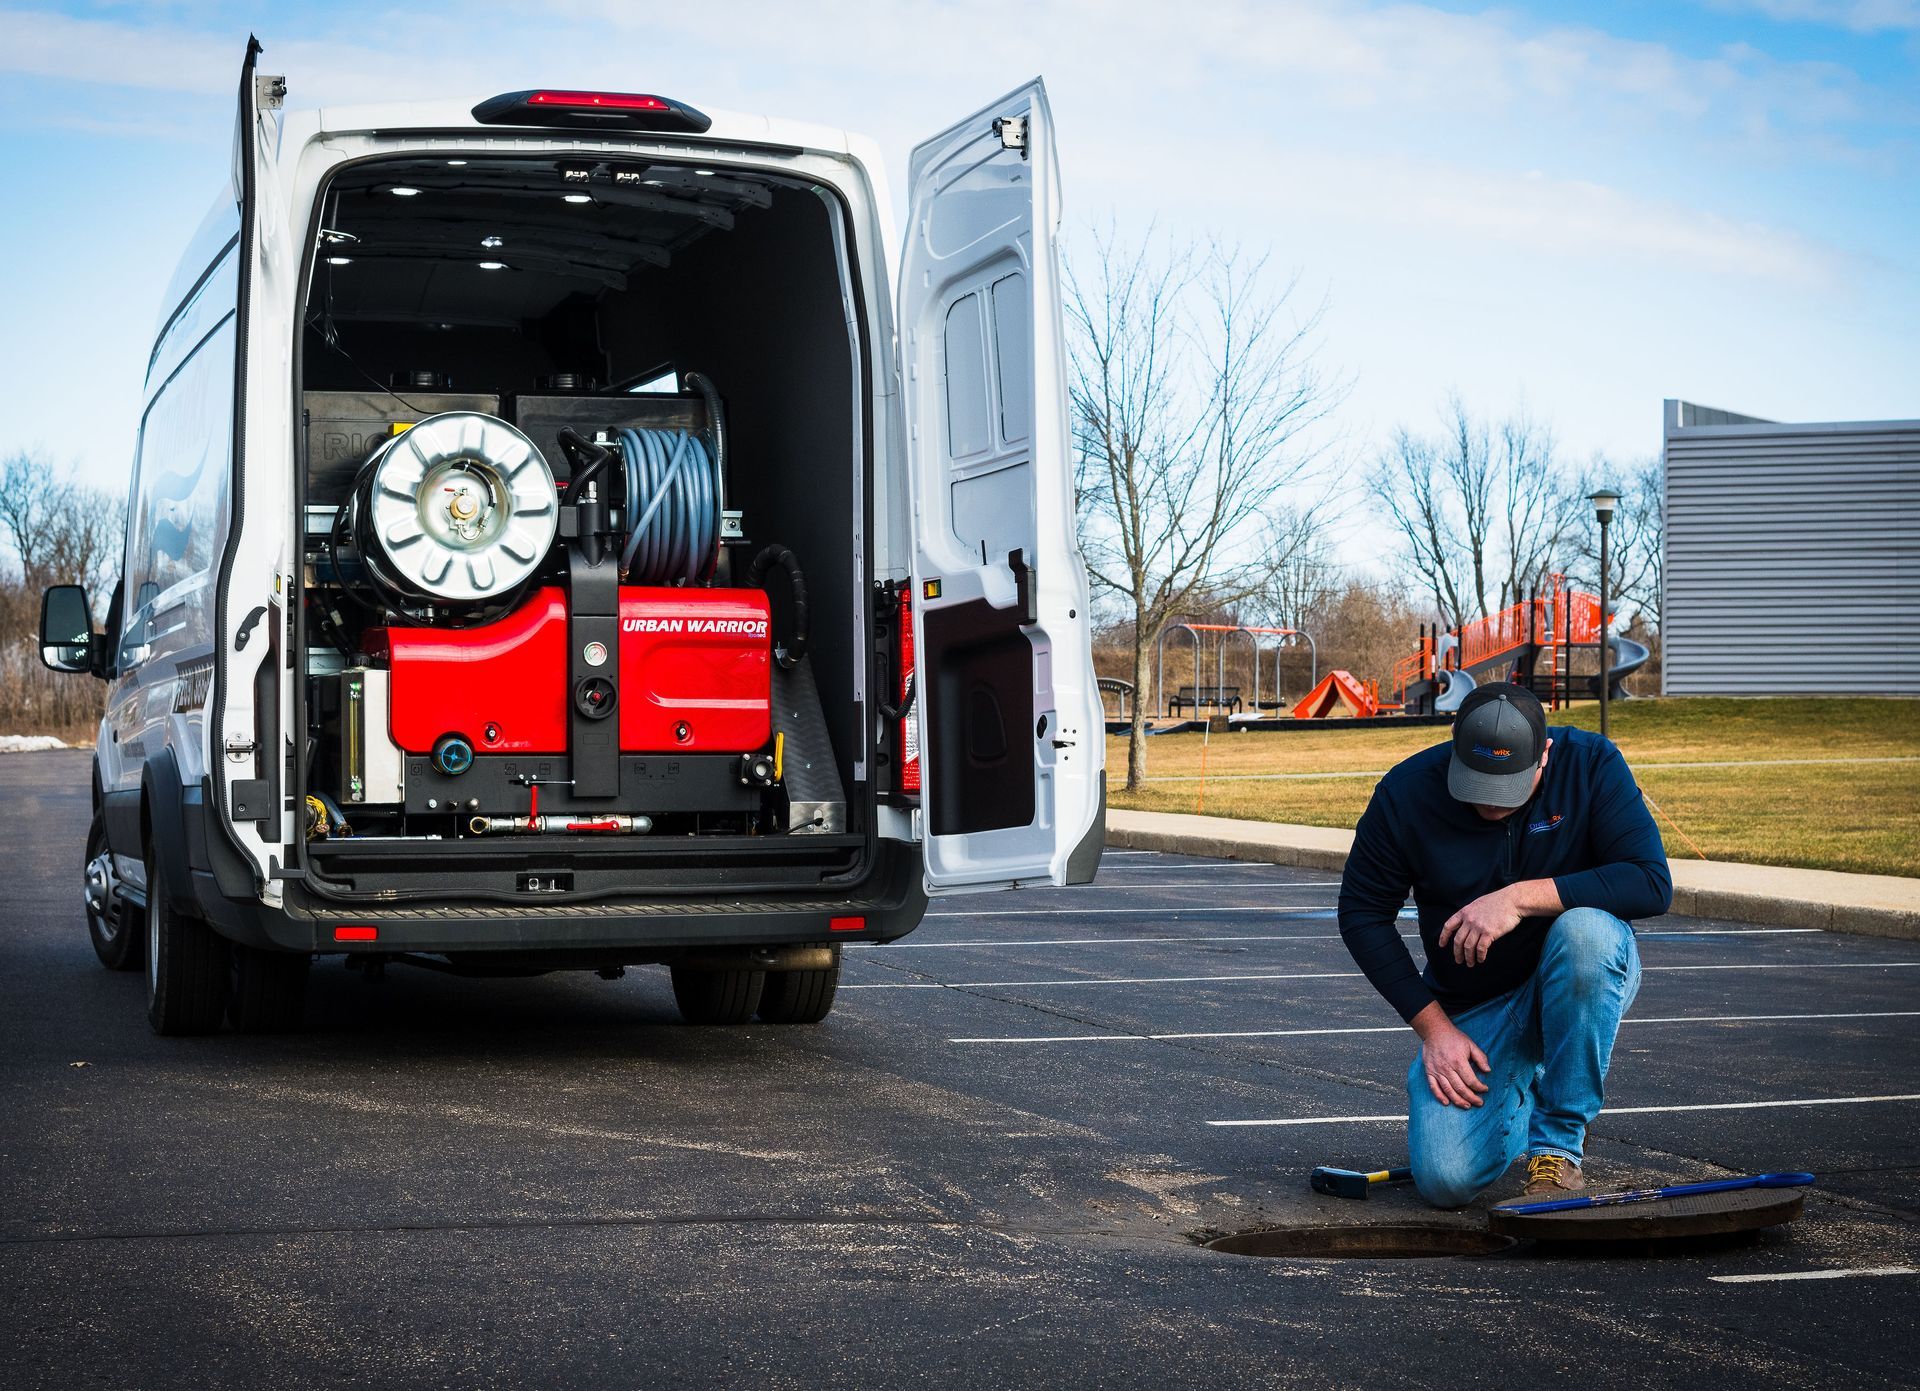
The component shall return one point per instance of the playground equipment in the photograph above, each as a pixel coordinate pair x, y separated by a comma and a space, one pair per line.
1455, 685
1220, 695
1531, 643
1343, 694
1121, 691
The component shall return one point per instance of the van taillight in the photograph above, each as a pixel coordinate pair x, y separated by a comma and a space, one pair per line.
611, 101
630, 110
910, 713
356, 934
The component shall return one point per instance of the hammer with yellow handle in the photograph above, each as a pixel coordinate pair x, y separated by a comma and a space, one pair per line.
1351, 1183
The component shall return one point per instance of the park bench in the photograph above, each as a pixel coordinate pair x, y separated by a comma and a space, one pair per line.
1194, 697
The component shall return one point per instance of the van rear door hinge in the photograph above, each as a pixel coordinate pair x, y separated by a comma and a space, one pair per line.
1012, 131
269, 92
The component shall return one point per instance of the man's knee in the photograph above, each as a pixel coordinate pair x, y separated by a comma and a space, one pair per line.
1452, 1157
1453, 1181
1592, 944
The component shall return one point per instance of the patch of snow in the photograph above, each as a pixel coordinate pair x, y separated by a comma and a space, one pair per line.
30, 743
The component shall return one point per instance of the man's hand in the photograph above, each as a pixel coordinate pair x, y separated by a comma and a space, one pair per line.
1480, 924
1451, 1059
1490, 917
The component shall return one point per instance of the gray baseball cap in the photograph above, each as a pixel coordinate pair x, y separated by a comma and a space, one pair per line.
1498, 739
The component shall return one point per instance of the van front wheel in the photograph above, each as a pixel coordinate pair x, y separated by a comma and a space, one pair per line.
717, 997
187, 964
114, 927
800, 997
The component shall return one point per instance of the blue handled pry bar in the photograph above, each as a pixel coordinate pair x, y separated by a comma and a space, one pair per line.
1647, 1195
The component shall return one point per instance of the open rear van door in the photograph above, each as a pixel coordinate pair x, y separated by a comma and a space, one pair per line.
246, 754
1012, 740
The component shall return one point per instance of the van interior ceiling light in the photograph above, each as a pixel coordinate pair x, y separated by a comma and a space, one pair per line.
402, 191
462, 506
576, 197
493, 265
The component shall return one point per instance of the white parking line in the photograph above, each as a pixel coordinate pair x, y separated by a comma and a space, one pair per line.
1401, 1116
890, 947
1401, 1028
1789, 966
1728, 932
1815, 1274
1099, 980
1263, 885
1352, 975
1105, 941
1081, 912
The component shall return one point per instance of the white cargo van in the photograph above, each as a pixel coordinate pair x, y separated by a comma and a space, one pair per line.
567, 532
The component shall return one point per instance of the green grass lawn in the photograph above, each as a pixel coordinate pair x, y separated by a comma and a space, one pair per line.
1860, 816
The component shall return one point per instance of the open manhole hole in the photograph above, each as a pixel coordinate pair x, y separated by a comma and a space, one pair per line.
1376, 1243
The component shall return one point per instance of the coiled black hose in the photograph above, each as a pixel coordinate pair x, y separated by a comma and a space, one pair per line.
673, 501
794, 646
716, 422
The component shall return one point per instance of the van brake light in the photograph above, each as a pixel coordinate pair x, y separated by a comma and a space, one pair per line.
552, 107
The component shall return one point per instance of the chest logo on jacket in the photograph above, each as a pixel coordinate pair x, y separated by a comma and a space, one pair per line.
1552, 823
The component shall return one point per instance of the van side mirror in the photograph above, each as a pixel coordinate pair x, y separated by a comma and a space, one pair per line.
66, 628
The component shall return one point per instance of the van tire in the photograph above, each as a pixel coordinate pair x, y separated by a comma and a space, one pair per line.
799, 997
118, 933
717, 997
188, 972
269, 992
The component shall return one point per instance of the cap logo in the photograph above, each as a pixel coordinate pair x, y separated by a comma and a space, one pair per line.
1485, 752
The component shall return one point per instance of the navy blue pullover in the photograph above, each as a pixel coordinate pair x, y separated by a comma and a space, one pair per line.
1586, 829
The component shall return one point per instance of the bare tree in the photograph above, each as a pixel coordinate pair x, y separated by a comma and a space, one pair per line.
1481, 508
52, 531
1466, 461
60, 532
1534, 505
1638, 535
1303, 572
1411, 487
1191, 387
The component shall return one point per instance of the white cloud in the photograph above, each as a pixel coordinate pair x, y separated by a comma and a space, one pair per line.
43, 44
1438, 210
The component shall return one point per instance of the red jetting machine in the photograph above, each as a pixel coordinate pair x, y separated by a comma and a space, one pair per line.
551, 640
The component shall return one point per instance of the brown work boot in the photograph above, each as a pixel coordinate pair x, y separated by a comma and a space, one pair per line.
1552, 1176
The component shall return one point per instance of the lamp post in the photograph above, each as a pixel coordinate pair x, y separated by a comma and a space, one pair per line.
1604, 500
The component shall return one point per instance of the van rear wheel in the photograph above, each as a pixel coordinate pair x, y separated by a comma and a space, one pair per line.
269, 990
800, 997
115, 929
187, 965
717, 997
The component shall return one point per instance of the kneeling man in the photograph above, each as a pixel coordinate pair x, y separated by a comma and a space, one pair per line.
1529, 852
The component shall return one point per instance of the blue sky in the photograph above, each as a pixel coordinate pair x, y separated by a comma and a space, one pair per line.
1583, 207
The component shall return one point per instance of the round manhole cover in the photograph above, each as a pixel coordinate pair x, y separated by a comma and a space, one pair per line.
1373, 1243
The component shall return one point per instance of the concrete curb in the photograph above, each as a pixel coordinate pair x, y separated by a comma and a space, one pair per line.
1866, 905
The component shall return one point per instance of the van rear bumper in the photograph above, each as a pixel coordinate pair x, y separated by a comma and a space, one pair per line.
889, 905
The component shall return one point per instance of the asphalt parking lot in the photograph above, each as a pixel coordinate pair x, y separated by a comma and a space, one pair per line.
987, 1165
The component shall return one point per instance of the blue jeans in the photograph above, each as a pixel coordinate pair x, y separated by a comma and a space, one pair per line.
1549, 1042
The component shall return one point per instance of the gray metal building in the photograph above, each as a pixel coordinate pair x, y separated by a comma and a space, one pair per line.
1792, 555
